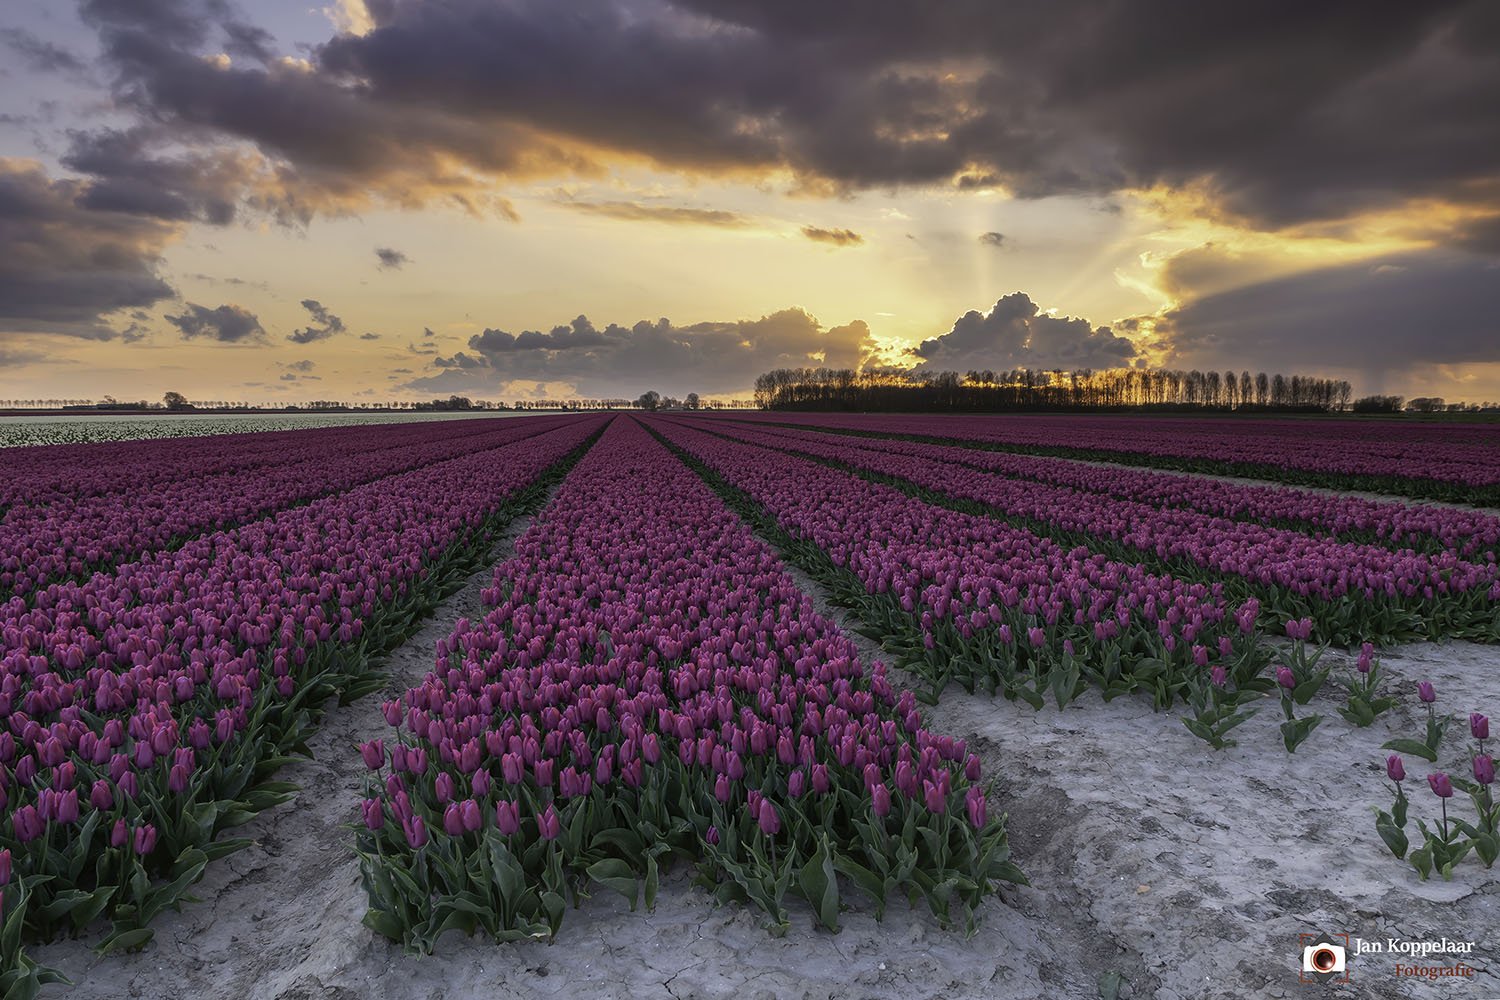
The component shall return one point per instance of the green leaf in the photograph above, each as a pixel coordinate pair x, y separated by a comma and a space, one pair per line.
1394, 838
384, 924
612, 873
1414, 747
819, 886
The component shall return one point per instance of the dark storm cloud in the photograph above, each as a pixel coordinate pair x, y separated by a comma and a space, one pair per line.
1284, 111
1015, 334
996, 240
39, 54
632, 211
227, 324
461, 361
390, 259
702, 357
1388, 314
836, 237
324, 324
65, 265
369, 336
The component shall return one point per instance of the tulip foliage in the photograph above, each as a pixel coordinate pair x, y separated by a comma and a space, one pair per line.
1351, 591
651, 686
143, 712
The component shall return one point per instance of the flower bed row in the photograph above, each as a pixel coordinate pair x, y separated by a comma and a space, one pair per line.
652, 685
142, 712
72, 538
1447, 461
1432, 529
42, 474
974, 600
1351, 592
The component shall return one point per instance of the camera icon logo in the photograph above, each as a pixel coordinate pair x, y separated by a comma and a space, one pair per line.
1325, 958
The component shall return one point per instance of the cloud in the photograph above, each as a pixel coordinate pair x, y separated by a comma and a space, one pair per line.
1015, 334
1391, 314
391, 260
428, 333
67, 265
462, 361
40, 55
1277, 114
227, 324
324, 324
633, 211
301, 366
992, 239
837, 237
614, 360
369, 336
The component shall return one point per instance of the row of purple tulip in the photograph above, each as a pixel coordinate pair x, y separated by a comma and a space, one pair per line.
1448, 460
992, 601
651, 684
1352, 591
42, 474
1468, 533
75, 537
141, 711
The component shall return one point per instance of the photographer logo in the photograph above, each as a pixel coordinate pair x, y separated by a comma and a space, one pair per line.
1325, 958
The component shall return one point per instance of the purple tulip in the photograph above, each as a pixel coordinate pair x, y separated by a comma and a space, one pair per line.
880, 800
27, 824
1426, 692
67, 806
442, 787
548, 824
1395, 769
934, 796
507, 817
1479, 726
119, 834
1484, 769
373, 754
480, 783
1286, 678
145, 839
373, 813
453, 823
976, 806
1442, 787
1218, 676
416, 832
769, 820
5, 867
712, 836
469, 814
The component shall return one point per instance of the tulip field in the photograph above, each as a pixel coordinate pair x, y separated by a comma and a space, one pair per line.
763, 653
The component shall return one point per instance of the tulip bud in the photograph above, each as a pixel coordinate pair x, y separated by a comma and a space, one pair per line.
480, 782
936, 801
1479, 726
1286, 678
1425, 692
373, 754
880, 800
416, 832
101, 796
145, 839
548, 824
1442, 787
770, 822
119, 834
1394, 768
1484, 769
507, 817
374, 815
453, 824
5, 867
975, 804
712, 836
443, 787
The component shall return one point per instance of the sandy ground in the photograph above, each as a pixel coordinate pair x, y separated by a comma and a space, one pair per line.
1187, 872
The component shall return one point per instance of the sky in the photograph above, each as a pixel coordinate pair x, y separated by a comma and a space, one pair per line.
377, 200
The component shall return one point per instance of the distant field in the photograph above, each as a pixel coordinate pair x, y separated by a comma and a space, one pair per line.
18, 432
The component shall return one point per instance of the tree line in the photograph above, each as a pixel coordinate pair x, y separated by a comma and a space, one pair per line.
1029, 389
